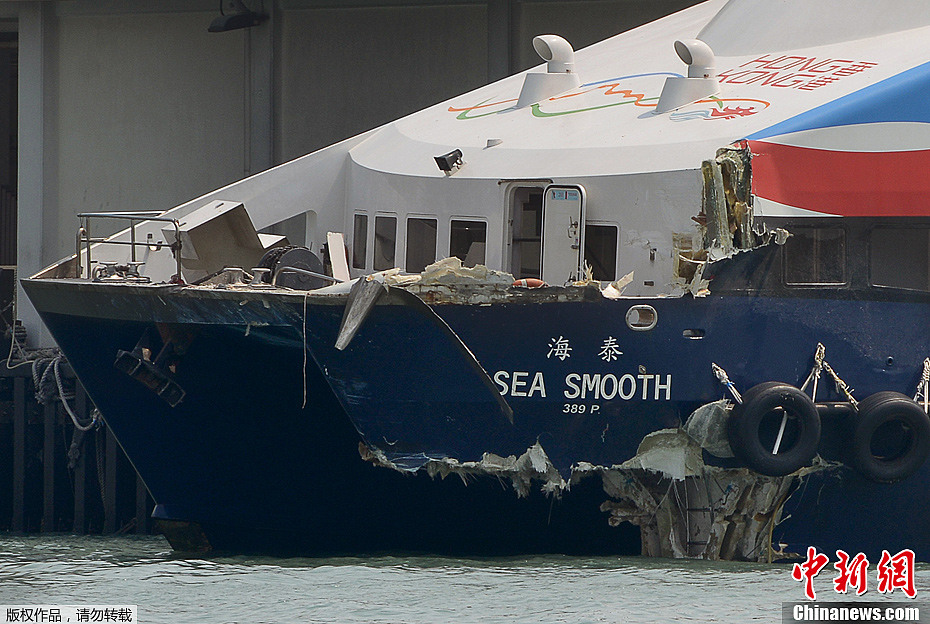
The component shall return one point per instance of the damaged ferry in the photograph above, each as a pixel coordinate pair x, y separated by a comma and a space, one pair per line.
682, 309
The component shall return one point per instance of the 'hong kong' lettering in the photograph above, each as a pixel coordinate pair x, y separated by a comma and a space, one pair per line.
793, 72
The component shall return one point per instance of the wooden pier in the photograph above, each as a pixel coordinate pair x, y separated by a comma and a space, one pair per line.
55, 477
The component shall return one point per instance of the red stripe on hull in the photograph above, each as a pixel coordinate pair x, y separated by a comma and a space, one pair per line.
849, 184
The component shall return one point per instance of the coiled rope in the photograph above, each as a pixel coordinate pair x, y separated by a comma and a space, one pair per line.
45, 392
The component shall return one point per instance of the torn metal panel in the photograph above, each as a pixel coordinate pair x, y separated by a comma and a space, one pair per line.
683, 507
362, 298
726, 222
667, 452
707, 426
522, 471
736, 172
718, 238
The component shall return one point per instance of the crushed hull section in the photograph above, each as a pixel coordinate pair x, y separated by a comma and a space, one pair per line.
594, 406
242, 464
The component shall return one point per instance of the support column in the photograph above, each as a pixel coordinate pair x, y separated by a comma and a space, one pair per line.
499, 39
142, 506
259, 90
34, 20
109, 502
50, 414
80, 474
19, 453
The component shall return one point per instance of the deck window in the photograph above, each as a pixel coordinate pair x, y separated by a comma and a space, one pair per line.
900, 258
600, 250
421, 243
385, 240
360, 242
467, 241
815, 256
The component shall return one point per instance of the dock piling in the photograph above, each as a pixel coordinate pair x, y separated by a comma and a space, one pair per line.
80, 477
19, 453
48, 469
52, 488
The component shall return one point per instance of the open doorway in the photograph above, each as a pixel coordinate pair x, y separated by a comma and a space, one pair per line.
526, 230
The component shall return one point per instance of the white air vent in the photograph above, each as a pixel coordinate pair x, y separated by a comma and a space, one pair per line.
560, 75
700, 83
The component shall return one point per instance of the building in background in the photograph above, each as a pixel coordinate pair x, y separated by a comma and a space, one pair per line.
119, 105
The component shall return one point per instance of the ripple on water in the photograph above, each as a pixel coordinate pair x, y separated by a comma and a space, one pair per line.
169, 587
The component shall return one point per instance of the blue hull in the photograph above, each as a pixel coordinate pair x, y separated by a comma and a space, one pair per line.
253, 469
593, 407
256, 469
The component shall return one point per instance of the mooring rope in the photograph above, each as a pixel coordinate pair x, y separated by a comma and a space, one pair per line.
725, 380
64, 402
44, 394
815, 372
820, 364
923, 387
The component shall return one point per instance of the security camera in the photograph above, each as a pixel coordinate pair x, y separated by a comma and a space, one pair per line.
449, 162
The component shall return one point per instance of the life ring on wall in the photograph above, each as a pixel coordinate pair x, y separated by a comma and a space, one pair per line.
754, 425
529, 282
890, 437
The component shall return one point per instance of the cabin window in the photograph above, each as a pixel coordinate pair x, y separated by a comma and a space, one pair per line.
467, 241
600, 250
360, 242
421, 244
526, 258
815, 256
385, 239
900, 258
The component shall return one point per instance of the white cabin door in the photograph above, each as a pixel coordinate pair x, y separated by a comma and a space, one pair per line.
562, 233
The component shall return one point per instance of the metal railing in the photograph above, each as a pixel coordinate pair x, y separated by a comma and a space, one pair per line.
85, 240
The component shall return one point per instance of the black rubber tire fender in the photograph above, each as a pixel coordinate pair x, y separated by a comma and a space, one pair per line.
743, 428
875, 411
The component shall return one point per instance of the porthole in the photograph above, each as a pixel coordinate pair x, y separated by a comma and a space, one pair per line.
641, 317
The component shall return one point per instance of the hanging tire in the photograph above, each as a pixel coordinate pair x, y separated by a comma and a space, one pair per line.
754, 425
890, 437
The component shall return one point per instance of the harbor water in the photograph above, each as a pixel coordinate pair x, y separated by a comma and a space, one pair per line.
178, 588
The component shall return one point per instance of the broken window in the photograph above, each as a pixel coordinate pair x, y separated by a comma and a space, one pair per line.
527, 233
467, 241
360, 242
385, 239
600, 250
900, 258
815, 256
421, 243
